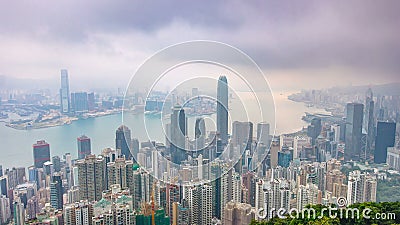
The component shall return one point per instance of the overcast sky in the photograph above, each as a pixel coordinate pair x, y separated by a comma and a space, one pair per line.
298, 44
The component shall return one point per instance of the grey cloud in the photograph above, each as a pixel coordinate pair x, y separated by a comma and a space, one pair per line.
361, 36
75, 19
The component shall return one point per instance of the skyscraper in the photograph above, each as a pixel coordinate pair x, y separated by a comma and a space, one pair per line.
361, 187
307, 195
78, 213
5, 210
19, 212
242, 138
238, 214
284, 158
41, 153
200, 204
242, 135
354, 121
4, 185
143, 182
222, 109
276, 196
314, 129
392, 159
56, 192
91, 177
120, 172
215, 175
173, 195
335, 128
123, 141
91, 101
263, 130
56, 163
200, 134
178, 134
180, 214
226, 189
273, 153
369, 121
64, 92
79, 102
249, 183
84, 146
386, 134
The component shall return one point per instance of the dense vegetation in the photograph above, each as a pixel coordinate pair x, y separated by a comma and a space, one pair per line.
388, 190
376, 209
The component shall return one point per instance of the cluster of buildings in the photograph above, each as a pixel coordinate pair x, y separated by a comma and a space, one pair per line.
79, 103
217, 178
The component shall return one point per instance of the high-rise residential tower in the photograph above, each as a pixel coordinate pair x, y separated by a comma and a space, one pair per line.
78, 213
91, 177
41, 153
238, 213
222, 109
361, 187
64, 92
84, 146
121, 172
276, 196
354, 121
200, 204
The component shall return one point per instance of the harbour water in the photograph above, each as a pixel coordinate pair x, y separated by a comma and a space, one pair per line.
16, 145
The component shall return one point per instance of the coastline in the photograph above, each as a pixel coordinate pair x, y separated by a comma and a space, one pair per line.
101, 130
67, 120
333, 110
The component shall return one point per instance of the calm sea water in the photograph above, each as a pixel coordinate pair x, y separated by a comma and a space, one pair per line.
16, 145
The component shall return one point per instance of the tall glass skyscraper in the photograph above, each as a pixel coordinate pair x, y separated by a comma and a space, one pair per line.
314, 129
123, 141
222, 109
64, 92
56, 192
354, 122
263, 130
178, 134
386, 135
369, 121
200, 133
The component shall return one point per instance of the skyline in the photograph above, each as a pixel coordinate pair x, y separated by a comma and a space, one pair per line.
312, 43
137, 112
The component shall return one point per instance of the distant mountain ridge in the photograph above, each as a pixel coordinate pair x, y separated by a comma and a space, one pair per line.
380, 89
